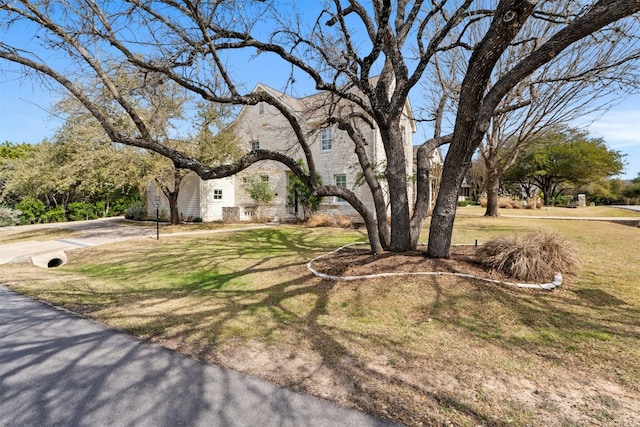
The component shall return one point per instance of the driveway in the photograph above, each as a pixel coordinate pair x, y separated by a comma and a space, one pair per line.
630, 207
59, 369
91, 233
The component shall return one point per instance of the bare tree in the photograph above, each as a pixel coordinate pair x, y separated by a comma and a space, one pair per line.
550, 97
341, 51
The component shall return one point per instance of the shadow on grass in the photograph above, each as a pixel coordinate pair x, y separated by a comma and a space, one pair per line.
218, 283
550, 324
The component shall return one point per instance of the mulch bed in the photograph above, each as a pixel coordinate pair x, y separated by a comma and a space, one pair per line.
357, 261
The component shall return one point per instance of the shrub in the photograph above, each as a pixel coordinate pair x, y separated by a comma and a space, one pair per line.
532, 257
539, 203
78, 211
260, 192
318, 221
503, 203
9, 216
31, 210
562, 200
56, 214
119, 206
136, 211
463, 203
342, 221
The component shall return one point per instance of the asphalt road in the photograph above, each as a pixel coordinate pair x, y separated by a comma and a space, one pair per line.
59, 369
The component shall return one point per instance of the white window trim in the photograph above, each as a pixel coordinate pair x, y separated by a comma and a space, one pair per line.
328, 131
338, 199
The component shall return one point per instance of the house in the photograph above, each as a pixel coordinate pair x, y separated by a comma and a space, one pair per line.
262, 126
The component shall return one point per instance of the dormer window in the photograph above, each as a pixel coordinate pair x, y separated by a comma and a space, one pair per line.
326, 139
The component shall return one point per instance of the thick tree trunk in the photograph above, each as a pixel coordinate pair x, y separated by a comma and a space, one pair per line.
471, 126
493, 189
396, 175
423, 195
423, 186
444, 212
174, 213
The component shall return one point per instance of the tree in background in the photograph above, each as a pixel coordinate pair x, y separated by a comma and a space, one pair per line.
340, 50
299, 195
8, 153
632, 191
564, 158
213, 144
604, 191
554, 94
81, 176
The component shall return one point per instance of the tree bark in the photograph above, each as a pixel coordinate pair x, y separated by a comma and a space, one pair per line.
493, 189
423, 186
174, 212
444, 213
396, 174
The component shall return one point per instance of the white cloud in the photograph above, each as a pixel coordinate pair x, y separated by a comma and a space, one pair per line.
619, 128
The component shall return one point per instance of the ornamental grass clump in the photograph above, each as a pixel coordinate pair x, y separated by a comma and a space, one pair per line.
534, 257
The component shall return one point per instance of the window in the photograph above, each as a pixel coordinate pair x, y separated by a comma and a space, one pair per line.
255, 145
264, 178
217, 194
326, 139
341, 181
261, 108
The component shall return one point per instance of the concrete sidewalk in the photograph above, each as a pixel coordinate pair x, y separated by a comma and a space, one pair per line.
59, 369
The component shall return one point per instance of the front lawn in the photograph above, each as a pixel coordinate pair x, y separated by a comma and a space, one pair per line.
416, 350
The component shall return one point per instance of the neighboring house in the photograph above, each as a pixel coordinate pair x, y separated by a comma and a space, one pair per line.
261, 126
465, 189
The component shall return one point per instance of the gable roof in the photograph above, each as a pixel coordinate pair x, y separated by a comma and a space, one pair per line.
318, 105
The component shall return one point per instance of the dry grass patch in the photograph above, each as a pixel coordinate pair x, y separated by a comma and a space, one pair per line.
534, 257
319, 220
